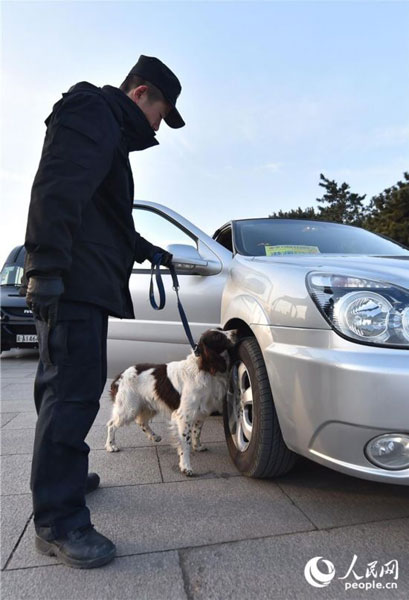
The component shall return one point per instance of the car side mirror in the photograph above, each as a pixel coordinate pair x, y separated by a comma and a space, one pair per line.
187, 260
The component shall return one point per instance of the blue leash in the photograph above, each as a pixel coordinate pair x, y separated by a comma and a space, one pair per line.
155, 270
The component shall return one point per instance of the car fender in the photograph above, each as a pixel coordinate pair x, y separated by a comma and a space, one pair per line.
244, 307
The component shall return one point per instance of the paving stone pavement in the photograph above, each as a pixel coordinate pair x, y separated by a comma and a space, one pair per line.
216, 536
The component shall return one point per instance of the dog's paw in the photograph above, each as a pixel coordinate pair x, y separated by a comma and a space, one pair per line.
187, 472
200, 448
111, 448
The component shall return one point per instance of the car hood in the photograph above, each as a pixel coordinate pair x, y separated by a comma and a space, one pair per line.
393, 269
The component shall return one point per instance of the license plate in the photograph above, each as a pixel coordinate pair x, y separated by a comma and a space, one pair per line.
27, 338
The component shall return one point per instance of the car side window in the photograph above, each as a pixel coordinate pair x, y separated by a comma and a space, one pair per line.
225, 239
158, 230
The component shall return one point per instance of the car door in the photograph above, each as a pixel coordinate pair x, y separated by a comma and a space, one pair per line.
158, 335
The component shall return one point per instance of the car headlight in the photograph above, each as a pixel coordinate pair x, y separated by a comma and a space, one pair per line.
364, 310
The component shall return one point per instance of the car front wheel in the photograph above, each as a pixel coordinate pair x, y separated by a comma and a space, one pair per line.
251, 426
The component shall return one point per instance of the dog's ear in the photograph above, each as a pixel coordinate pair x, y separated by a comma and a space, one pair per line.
210, 361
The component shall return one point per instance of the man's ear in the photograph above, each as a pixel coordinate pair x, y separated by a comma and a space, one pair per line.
137, 93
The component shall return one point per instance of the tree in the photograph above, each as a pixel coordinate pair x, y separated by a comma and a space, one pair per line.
295, 213
389, 212
340, 204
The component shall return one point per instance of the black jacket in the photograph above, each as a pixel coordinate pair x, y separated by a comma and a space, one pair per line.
80, 215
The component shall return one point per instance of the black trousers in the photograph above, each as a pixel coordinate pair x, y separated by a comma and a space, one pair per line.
70, 378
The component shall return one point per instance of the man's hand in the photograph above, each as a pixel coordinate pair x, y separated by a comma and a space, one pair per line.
43, 293
166, 259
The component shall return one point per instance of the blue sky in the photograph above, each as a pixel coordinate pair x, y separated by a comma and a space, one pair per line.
273, 94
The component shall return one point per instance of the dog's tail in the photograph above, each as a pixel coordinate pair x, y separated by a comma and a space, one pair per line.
114, 387
122, 383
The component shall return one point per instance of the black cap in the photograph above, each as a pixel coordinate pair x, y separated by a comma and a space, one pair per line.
156, 72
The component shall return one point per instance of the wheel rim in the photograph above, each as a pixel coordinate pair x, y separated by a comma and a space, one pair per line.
240, 407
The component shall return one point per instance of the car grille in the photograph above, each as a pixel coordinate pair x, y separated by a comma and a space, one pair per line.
19, 311
14, 329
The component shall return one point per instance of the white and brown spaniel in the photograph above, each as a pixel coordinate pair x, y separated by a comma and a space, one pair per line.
184, 391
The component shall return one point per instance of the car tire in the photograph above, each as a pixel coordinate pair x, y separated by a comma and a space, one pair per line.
251, 426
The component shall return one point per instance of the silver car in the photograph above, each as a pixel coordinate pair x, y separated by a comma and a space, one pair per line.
322, 368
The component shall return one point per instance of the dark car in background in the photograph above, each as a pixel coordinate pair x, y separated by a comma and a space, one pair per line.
17, 323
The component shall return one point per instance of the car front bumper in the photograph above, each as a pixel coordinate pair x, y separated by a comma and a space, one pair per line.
10, 329
333, 396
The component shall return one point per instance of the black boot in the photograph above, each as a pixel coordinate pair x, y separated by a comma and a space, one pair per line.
92, 482
82, 548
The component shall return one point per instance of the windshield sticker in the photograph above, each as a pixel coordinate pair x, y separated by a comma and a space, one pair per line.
290, 249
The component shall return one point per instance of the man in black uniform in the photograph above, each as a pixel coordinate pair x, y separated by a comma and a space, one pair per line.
81, 245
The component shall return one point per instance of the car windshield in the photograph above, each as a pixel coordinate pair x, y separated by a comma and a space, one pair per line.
11, 275
278, 237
